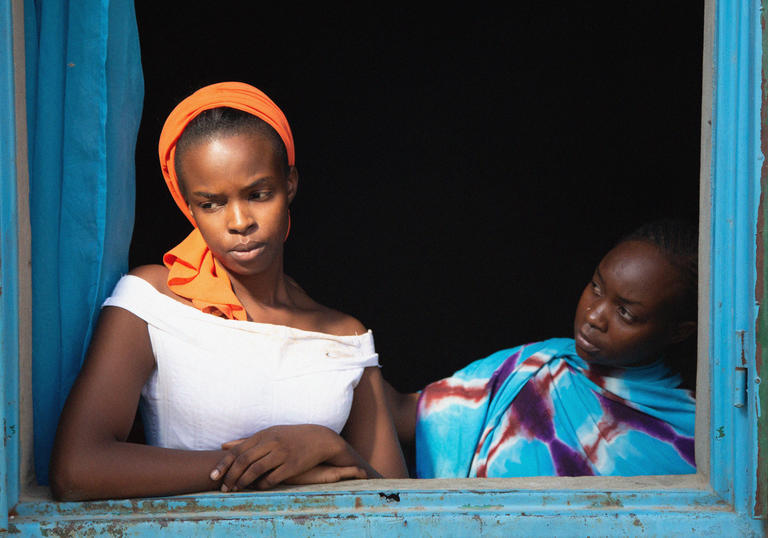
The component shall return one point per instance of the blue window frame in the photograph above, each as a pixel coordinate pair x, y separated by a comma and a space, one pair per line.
723, 498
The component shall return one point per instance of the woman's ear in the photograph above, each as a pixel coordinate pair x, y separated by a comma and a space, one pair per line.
192, 214
683, 330
292, 182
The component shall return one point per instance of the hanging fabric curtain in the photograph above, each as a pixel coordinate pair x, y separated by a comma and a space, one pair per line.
84, 98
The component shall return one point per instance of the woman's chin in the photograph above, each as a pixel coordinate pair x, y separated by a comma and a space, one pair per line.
593, 358
245, 270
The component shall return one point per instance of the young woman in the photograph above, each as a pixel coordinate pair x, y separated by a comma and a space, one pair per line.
607, 402
244, 380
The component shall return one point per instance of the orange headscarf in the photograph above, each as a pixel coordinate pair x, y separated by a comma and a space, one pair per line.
193, 271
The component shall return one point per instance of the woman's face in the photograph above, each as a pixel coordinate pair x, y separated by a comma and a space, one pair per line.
627, 314
239, 194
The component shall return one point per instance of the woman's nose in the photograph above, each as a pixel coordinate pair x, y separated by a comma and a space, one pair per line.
240, 219
596, 315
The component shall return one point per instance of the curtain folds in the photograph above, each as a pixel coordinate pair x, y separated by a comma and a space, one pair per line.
84, 98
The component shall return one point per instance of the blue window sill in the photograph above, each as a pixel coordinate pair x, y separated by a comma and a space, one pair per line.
665, 505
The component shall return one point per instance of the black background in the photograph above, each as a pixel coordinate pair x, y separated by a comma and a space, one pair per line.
462, 170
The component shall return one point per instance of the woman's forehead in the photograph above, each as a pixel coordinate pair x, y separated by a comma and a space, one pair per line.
640, 272
246, 148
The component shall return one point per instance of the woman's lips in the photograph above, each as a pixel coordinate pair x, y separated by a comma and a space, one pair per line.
246, 251
585, 344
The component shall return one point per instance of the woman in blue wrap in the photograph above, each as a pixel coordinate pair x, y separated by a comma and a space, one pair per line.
610, 401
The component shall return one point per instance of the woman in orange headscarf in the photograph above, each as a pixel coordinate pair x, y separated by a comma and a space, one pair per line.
243, 380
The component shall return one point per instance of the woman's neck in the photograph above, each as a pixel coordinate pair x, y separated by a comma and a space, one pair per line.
265, 290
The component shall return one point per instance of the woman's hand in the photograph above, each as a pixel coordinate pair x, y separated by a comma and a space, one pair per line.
280, 453
327, 474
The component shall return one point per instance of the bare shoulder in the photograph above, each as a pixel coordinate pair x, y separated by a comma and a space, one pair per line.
156, 275
330, 321
325, 319
341, 324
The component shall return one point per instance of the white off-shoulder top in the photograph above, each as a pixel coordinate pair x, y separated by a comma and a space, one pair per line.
217, 380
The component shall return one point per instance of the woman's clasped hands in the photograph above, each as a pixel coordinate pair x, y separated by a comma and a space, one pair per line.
291, 454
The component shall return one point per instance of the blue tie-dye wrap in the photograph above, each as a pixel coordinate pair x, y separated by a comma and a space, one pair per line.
541, 410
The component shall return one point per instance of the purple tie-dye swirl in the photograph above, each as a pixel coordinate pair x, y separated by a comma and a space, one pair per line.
539, 410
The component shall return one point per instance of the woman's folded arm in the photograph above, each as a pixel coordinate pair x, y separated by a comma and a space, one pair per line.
91, 458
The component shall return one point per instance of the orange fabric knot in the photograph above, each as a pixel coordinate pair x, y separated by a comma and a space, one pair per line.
194, 273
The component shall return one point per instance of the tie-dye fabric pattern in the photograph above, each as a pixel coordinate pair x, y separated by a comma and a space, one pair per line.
541, 410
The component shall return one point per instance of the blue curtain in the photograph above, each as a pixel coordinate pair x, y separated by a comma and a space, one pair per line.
84, 97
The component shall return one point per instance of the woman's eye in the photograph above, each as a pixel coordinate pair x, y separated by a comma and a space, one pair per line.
260, 195
595, 287
626, 315
208, 205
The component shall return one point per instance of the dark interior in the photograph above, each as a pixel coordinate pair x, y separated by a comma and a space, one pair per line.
461, 173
